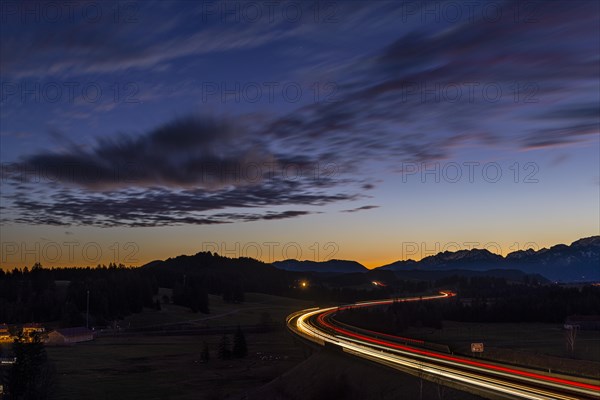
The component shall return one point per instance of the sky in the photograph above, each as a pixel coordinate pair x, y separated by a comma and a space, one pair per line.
374, 131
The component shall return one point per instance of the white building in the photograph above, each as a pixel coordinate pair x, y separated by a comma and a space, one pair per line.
69, 336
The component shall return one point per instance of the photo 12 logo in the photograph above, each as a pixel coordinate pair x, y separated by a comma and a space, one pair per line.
489, 12
420, 250
70, 173
426, 92
75, 252
268, 92
469, 171
274, 251
69, 11
271, 12
72, 92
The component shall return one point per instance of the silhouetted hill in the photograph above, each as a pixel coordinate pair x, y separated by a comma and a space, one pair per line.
339, 266
220, 273
399, 265
579, 261
206, 261
463, 258
477, 259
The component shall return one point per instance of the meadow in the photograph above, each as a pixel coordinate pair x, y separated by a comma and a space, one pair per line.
170, 367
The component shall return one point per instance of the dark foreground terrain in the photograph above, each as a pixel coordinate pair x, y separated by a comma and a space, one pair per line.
332, 375
278, 366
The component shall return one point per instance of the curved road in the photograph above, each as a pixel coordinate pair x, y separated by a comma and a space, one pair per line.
319, 326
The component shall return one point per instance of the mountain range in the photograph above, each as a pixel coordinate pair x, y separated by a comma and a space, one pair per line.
579, 261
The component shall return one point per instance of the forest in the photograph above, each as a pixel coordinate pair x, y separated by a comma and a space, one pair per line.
481, 299
60, 295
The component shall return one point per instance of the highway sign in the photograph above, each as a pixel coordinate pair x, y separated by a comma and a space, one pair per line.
477, 347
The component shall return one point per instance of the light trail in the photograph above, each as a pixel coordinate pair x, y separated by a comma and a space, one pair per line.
314, 324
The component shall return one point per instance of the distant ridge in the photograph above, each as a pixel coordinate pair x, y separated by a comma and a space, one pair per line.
220, 274
579, 261
339, 266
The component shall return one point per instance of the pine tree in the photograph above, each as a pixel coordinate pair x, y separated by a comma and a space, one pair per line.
238, 294
24, 375
240, 349
224, 350
205, 354
227, 295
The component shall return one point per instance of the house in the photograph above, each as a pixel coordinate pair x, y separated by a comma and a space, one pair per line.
31, 328
69, 336
5, 336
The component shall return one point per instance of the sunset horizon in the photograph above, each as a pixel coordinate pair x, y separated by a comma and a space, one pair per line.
270, 251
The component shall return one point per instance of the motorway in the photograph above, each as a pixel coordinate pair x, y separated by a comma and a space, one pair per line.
318, 325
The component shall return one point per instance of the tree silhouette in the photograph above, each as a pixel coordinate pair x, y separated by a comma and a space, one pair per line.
205, 354
191, 293
240, 349
224, 350
238, 293
570, 336
29, 376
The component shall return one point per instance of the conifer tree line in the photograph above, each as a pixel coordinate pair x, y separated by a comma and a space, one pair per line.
239, 349
481, 299
41, 295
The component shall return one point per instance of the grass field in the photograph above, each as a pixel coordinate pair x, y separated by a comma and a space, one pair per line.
169, 367
534, 344
221, 313
330, 375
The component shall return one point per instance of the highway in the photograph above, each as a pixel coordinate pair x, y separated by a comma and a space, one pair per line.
318, 325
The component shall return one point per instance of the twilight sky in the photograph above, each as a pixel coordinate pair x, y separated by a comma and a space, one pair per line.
373, 131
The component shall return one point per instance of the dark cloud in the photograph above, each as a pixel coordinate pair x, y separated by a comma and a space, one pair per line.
561, 136
161, 207
187, 152
579, 122
583, 112
360, 209
184, 172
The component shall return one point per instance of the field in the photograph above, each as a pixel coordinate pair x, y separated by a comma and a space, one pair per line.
534, 344
221, 313
169, 367
328, 375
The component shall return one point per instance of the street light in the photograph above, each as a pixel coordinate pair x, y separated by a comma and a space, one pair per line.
87, 310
